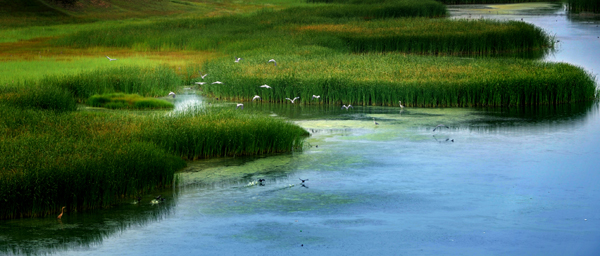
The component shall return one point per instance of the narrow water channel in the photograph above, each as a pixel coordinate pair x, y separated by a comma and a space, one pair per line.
494, 182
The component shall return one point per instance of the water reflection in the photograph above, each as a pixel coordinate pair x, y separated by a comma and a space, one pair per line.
78, 231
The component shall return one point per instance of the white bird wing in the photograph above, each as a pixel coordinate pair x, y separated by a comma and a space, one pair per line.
289, 99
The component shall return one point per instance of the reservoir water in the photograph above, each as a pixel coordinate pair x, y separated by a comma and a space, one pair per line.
495, 182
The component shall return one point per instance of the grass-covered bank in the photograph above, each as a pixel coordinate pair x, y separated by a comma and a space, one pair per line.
414, 80
127, 101
403, 26
87, 160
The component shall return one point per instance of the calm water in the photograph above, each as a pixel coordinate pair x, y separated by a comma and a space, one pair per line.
497, 182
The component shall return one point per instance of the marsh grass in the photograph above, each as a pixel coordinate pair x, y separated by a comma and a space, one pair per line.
39, 97
88, 160
154, 81
126, 101
493, 1
577, 6
434, 36
415, 80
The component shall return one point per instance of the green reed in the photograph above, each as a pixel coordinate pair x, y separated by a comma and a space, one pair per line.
264, 29
492, 1
375, 79
125, 101
577, 6
127, 79
205, 133
88, 160
40, 97
433, 36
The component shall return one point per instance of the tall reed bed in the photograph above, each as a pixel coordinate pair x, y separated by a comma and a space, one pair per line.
375, 79
205, 133
39, 97
126, 79
263, 29
88, 160
433, 36
78, 160
493, 1
583, 6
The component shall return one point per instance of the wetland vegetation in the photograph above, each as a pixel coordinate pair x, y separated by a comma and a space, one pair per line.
54, 153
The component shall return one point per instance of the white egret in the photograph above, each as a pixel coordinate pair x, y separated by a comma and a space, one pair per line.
217, 82
200, 83
256, 97
202, 76
440, 126
237, 59
265, 86
292, 100
172, 94
401, 104
347, 107
274, 62
239, 105
109, 58
316, 96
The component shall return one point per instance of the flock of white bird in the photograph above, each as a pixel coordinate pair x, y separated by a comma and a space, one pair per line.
257, 97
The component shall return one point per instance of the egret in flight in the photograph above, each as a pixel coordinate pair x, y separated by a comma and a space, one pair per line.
256, 97
239, 105
237, 59
440, 126
274, 62
217, 82
202, 76
347, 107
172, 94
200, 83
109, 58
316, 96
265, 86
292, 100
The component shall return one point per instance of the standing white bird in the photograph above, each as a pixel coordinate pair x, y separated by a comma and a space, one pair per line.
292, 101
172, 94
440, 126
274, 62
109, 58
200, 83
256, 97
217, 82
239, 105
316, 96
265, 86
401, 104
237, 59
347, 107
376, 123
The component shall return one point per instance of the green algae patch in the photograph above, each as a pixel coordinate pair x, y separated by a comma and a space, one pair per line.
286, 200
